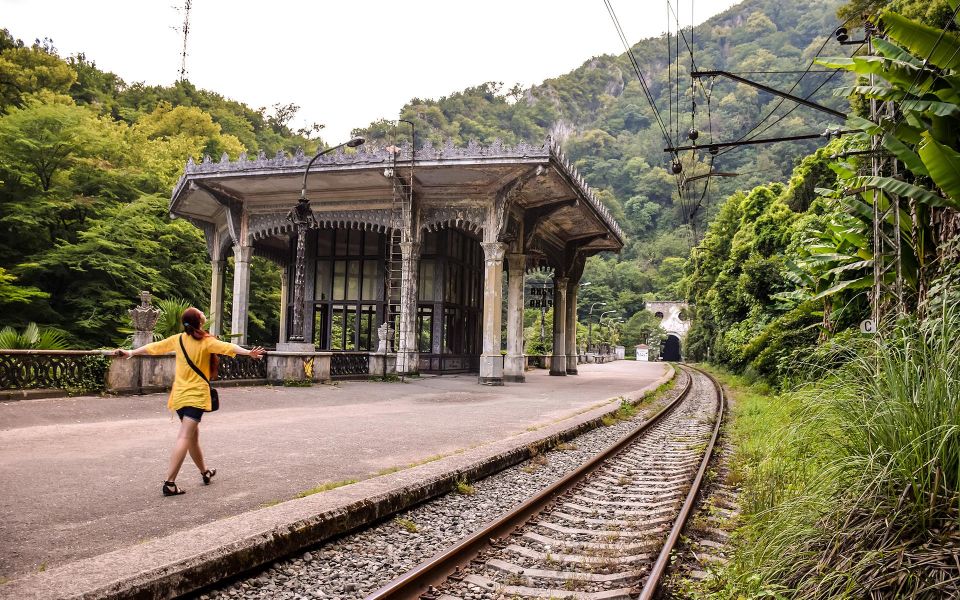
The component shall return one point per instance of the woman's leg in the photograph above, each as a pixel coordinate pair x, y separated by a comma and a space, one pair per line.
188, 430
195, 452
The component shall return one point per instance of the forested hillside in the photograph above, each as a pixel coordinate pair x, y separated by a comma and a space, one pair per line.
607, 127
88, 160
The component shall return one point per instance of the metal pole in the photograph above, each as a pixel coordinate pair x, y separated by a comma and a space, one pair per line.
299, 281
302, 216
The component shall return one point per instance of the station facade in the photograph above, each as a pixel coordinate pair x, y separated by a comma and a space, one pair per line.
402, 252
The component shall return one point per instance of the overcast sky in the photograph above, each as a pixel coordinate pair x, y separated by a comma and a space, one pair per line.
344, 63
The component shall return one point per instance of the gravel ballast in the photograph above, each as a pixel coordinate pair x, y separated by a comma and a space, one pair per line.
357, 564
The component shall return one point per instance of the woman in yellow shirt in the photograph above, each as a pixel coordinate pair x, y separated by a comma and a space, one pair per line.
190, 394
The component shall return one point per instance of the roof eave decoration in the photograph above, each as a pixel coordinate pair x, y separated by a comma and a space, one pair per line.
428, 153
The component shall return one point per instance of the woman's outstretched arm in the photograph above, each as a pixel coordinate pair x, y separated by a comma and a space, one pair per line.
255, 353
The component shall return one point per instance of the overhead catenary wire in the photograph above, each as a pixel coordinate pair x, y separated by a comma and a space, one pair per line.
686, 43
670, 77
783, 116
637, 70
790, 91
643, 84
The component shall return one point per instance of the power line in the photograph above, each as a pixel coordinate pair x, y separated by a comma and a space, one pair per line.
669, 75
781, 72
784, 115
790, 91
636, 68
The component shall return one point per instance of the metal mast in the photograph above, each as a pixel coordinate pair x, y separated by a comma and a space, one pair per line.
887, 294
185, 28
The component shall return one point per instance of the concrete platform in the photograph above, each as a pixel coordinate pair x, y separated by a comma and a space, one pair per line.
82, 512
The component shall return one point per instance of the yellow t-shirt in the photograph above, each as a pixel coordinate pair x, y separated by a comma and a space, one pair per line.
188, 388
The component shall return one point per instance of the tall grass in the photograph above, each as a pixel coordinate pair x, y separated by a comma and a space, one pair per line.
857, 493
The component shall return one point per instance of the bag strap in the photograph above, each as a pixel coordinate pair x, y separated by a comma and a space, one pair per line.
190, 362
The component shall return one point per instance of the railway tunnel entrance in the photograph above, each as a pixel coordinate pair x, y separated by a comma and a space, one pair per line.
671, 348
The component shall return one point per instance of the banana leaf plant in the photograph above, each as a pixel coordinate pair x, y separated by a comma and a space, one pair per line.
916, 68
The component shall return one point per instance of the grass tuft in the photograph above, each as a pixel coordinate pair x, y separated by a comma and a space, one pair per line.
406, 524
325, 488
464, 488
297, 383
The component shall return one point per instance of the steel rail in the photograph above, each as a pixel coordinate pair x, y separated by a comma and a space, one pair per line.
659, 567
419, 582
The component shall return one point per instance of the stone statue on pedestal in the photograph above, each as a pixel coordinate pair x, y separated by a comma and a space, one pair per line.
384, 335
144, 320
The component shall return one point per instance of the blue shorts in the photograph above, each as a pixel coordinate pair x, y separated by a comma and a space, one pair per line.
190, 412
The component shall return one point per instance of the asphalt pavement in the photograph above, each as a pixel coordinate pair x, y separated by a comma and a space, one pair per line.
81, 476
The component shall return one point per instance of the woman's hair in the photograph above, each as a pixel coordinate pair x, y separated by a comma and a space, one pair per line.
193, 324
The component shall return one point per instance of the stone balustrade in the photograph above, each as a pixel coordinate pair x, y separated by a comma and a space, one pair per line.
52, 373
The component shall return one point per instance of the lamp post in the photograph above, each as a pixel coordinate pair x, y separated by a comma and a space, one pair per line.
590, 325
600, 320
302, 217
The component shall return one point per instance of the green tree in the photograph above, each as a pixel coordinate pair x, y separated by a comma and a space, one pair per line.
29, 70
44, 138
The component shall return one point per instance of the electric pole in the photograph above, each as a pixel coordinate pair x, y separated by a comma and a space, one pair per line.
185, 29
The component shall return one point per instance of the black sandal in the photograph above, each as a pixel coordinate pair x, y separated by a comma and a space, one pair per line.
170, 489
208, 475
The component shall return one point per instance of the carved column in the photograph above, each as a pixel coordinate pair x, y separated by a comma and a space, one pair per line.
570, 341
241, 293
491, 361
407, 357
215, 314
558, 362
515, 361
284, 303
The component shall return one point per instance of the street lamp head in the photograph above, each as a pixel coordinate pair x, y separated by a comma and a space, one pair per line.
301, 213
357, 141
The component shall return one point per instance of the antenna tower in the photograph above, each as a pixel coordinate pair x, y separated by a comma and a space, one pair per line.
185, 28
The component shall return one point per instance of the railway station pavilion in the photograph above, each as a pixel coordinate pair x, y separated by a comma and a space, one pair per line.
410, 254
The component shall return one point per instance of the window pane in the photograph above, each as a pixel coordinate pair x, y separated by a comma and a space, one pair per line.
424, 328
371, 243
453, 273
426, 280
371, 289
325, 242
336, 327
339, 276
350, 331
341, 245
368, 327
356, 238
353, 280
320, 338
323, 280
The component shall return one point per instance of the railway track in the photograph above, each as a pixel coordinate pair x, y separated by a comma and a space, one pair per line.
604, 532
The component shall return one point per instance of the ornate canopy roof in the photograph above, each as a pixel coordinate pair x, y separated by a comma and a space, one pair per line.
451, 184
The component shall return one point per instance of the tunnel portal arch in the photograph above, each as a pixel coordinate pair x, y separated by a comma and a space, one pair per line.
671, 348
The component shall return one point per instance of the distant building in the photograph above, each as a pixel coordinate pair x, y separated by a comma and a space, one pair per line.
672, 321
